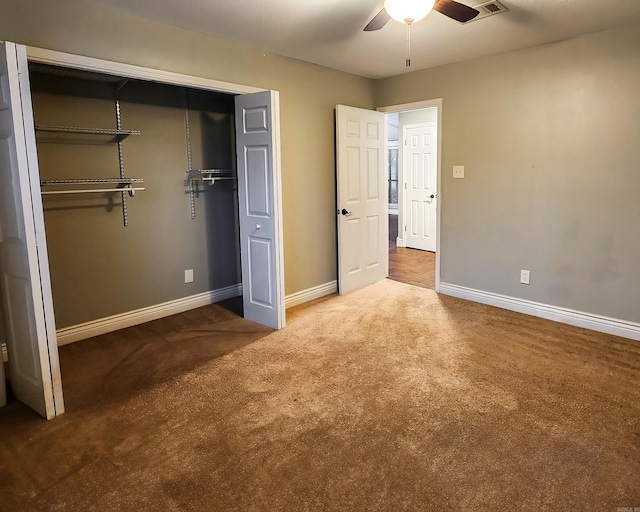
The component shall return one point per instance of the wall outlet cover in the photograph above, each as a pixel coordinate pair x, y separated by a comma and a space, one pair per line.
524, 276
458, 171
188, 276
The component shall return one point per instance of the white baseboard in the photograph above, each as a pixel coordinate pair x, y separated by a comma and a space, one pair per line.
400, 242
139, 316
566, 316
295, 299
130, 318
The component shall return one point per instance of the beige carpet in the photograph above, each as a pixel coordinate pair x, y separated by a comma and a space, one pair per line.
389, 398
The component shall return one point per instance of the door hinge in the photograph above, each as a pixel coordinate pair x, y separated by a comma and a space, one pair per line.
405, 228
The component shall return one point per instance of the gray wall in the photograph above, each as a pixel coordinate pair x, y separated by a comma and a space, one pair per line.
424, 115
392, 126
99, 267
549, 138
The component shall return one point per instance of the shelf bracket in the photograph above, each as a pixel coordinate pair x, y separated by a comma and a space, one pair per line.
125, 213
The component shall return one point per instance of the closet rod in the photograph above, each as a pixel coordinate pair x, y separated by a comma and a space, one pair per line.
212, 180
93, 190
201, 172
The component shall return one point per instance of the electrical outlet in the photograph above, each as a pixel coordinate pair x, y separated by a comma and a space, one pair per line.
458, 171
188, 276
524, 276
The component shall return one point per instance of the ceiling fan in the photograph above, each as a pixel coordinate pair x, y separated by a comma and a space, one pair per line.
410, 11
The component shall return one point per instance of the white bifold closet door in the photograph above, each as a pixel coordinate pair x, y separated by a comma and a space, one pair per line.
25, 285
260, 207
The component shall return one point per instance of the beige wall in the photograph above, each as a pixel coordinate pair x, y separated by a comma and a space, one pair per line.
308, 94
549, 138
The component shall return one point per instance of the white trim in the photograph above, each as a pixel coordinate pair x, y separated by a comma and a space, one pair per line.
69, 60
417, 105
400, 241
139, 316
316, 292
558, 314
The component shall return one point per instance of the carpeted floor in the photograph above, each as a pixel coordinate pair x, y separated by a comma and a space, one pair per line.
389, 398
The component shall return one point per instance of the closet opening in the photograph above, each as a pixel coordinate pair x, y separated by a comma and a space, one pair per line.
151, 209
140, 196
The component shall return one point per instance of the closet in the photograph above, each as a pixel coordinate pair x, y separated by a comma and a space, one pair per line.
155, 190
110, 251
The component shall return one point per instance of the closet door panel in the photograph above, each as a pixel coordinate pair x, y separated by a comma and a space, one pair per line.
258, 150
24, 272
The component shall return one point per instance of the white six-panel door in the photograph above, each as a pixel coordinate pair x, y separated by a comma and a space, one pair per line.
421, 178
363, 222
260, 207
24, 267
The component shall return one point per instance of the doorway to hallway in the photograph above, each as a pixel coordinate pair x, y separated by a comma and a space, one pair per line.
413, 185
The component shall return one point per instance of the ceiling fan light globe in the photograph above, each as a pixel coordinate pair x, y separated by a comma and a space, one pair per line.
408, 11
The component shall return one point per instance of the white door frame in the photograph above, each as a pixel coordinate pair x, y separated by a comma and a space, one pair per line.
417, 105
56, 58
69, 60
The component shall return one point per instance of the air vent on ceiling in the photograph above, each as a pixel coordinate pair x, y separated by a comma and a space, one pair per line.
488, 9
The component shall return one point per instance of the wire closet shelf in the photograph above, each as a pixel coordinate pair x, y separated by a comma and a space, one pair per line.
122, 185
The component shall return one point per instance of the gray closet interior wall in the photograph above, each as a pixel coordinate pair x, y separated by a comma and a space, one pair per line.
98, 266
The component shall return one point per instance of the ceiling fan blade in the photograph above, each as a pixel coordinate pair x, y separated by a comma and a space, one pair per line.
455, 10
378, 21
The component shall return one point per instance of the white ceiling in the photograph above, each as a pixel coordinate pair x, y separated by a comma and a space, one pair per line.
329, 32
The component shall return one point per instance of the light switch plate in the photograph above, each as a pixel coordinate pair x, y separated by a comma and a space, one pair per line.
188, 276
458, 171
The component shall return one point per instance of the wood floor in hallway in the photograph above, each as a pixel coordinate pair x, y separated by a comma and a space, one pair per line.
410, 266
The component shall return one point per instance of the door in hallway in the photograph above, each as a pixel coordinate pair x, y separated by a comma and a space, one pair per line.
420, 170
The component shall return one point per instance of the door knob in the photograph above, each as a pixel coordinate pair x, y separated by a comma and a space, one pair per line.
432, 196
345, 212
